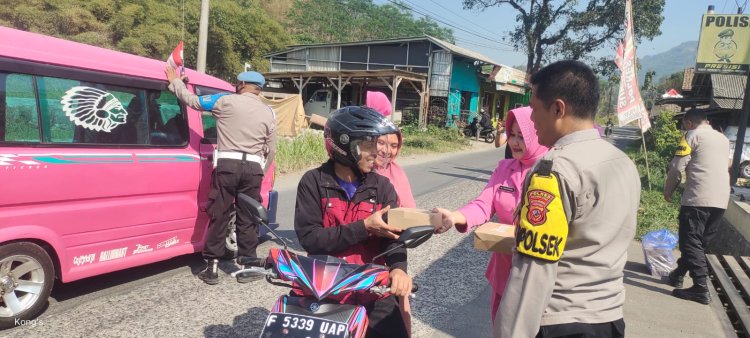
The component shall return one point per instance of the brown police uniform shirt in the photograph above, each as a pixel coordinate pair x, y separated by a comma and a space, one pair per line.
703, 157
576, 220
243, 122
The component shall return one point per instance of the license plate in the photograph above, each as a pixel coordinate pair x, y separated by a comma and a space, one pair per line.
287, 325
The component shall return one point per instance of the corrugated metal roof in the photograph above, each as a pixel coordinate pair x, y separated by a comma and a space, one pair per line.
443, 44
728, 90
723, 103
462, 51
729, 86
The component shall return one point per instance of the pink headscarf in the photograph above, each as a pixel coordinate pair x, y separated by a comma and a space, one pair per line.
379, 102
397, 176
522, 116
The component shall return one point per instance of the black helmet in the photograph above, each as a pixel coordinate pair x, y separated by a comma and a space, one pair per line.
349, 126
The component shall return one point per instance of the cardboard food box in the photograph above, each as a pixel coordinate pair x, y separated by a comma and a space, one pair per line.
495, 237
405, 218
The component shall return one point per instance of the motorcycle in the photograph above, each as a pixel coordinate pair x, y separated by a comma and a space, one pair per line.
488, 134
318, 279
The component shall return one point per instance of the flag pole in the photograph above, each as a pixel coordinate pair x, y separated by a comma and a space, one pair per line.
645, 155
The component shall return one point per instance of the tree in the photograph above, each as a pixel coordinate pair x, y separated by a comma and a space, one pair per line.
550, 29
357, 20
239, 30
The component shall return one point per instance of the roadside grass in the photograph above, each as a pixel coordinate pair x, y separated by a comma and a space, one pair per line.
307, 149
432, 140
654, 213
301, 152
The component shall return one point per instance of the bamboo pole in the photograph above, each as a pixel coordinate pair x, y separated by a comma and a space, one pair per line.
645, 155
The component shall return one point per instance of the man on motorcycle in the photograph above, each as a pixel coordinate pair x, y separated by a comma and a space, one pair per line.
340, 208
486, 121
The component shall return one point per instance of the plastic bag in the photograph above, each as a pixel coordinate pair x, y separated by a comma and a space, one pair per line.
657, 250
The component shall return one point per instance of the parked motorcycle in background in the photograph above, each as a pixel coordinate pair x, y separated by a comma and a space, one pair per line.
488, 134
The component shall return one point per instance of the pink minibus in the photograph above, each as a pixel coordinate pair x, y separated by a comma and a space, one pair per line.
101, 168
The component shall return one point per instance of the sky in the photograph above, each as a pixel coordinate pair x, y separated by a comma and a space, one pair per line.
681, 23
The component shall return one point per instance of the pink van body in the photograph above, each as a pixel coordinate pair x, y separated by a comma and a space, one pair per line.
97, 209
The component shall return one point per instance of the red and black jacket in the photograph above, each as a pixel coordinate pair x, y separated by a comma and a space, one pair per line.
328, 223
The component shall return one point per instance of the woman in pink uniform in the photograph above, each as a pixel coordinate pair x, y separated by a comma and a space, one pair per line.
501, 195
388, 148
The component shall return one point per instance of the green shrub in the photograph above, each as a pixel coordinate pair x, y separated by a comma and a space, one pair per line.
432, 139
299, 153
654, 212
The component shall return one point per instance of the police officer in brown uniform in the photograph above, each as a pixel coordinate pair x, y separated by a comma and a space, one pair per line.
246, 129
576, 218
702, 156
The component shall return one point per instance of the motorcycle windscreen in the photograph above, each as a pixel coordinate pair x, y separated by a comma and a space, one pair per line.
321, 276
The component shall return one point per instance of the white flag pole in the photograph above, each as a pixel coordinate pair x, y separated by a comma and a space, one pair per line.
645, 155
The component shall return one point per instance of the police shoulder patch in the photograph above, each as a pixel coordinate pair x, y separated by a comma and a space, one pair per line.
543, 226
209, 101
684, 148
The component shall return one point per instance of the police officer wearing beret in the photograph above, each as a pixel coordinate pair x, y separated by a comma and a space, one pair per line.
246, 146
576, 218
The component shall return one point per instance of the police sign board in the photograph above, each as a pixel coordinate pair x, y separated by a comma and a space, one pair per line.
724, 45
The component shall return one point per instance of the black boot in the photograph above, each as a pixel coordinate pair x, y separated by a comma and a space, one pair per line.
210, 275
697, 293
248, 262
675, 279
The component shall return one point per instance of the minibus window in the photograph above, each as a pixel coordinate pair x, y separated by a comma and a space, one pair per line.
169, 126
209, 121
78, 112
18, 109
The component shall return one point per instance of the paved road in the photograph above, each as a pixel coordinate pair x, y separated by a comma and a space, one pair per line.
165, 299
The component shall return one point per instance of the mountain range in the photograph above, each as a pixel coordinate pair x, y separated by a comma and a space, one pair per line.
666, 63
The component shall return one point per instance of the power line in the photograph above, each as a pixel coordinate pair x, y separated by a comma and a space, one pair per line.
461, 17
445, 20
485, 45
447, 24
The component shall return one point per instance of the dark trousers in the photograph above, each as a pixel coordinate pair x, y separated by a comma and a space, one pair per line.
230, 178
385, 319
697, 226
615, 329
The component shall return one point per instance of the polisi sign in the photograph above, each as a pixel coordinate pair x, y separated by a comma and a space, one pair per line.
727, 21
724, 45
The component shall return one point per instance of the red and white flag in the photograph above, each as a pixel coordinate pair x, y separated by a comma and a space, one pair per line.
175, 59
630, 105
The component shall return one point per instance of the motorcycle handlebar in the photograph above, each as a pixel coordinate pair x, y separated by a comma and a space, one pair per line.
385, 289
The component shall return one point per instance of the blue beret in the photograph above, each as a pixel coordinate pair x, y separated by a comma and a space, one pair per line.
252, 77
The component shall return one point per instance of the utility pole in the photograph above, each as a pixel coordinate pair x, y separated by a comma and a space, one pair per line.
203, 37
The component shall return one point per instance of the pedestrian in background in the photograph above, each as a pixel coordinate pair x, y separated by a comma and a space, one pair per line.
702, 156
500, 196
576, 218
246, 129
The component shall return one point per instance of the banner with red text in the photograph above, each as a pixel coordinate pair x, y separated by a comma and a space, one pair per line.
630, 105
